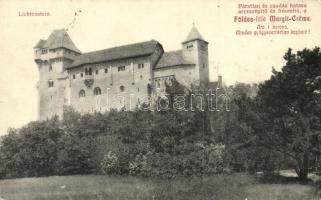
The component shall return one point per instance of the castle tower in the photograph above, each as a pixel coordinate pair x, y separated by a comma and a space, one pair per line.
195, 50
52, 56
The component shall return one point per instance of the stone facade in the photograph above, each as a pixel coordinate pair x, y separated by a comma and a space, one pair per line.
119, 77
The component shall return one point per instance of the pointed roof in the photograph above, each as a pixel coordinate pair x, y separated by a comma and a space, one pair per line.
58, 38
194, 34
40, 44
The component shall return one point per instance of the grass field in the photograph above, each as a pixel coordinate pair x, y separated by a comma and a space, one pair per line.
91, 187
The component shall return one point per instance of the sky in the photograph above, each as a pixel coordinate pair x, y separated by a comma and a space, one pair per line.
105, 24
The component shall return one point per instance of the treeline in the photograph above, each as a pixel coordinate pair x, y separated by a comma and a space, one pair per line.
144, 143
268, 127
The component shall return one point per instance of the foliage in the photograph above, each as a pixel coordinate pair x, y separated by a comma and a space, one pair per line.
172, 144
199, 160
110, 163
31, 150
290, 106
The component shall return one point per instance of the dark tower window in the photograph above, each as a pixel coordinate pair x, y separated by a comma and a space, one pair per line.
122, 88
50, 83
189, 46
141, 77
96, 71
74, 76
106, 70
82, 93
88, 71
81, 74
121, 68
97, 91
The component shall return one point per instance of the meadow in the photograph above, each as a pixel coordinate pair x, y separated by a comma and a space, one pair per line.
99, 187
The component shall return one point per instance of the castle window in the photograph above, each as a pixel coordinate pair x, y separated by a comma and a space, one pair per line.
82, 93
106, 70
74, 76
50, 83
44, 51
204, 65
189, 46
158, 84
81, 75
97, 91
121, 68
96, 71
140, 65
122, 88
141, 77
88, 71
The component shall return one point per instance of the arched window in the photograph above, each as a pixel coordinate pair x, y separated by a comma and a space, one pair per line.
141, 77
122, 88
50, 83
82, 93
89, 71
97, 91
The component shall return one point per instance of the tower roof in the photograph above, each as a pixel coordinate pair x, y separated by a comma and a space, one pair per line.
58, 38
194, 34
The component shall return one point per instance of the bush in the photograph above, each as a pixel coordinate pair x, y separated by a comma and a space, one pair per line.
76, 155
110, 164
207, 160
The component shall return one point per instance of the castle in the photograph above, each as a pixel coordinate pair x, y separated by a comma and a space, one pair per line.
118, 77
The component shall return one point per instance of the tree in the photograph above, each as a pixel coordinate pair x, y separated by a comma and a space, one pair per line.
290, 106
31, 150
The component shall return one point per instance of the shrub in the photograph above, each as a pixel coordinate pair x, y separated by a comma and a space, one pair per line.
206, 160
110, 163
75, 155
